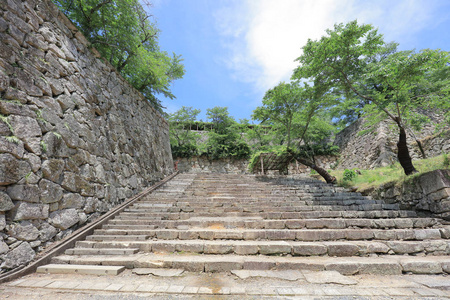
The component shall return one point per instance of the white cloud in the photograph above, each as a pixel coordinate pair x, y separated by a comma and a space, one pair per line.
264, 37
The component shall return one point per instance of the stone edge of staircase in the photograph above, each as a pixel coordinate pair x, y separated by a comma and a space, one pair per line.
59, 247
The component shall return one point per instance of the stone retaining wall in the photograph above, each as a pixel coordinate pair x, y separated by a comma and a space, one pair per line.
379, 148
202, 164
75, 138
428, 193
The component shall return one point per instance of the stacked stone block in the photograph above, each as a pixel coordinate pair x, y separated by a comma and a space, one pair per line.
75, 138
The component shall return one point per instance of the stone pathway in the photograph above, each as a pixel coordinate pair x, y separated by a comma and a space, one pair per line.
247, 285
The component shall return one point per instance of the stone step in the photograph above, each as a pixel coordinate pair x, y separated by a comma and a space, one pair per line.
116, 237
220, 233
80, 269
377, 214
264, 208
338, 249
381, 265
259, 223
102, 251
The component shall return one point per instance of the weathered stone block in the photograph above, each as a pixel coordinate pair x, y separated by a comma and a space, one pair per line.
273, 249
24, 192
434, 181
306, 249
29, 211
64, 219
12, 169
47, 232
50, 191
2, 221
72, 200
5, 202
422, 267
52, 169
405, 247
25, 127
19, 256
218, 249
24, 231
342, 249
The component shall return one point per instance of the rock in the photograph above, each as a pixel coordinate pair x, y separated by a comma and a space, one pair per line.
3, 247
25, 127
2, 222
52, 169
30, 211
5, 202
12, 169
72, 200
434, 181
34, 161
56, 147
24, 231
64, 219
14, 147
47, 232
19, 256
83, 218
50, 192
24, 192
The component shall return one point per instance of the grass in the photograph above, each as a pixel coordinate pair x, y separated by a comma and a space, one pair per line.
394, 173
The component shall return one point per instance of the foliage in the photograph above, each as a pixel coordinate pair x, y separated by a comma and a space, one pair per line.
378, 176
318, 149
348, 175
182, 140
355, 61
225, 141
446, 162
125, 35
279, 106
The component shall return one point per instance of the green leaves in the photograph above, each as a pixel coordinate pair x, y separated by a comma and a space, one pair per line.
124, 34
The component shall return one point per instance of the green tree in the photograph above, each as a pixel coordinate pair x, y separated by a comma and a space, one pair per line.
182, 140
280, 104
354, 59
125, 34
225, 139
292, 108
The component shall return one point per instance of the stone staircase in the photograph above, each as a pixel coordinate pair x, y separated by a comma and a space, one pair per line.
222, 222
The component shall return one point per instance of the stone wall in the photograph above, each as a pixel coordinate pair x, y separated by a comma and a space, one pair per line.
202, 164
75, 138
428, 193
379, 147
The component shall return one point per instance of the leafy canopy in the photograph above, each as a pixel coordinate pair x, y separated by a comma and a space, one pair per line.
125, 34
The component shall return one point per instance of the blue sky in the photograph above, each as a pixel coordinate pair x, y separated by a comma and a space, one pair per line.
235, 50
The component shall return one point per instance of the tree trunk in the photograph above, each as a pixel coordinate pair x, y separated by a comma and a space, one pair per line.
403, 153
322, 172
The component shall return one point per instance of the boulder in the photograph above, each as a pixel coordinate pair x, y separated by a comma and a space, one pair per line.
24, 231
3, 247
24, 192
72, 200
5, 202
64, 219
30, 211
52, 169
47, 232
50, 191
19, 256
2, 222
12, 169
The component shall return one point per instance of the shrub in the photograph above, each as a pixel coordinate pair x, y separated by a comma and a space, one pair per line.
349, 175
